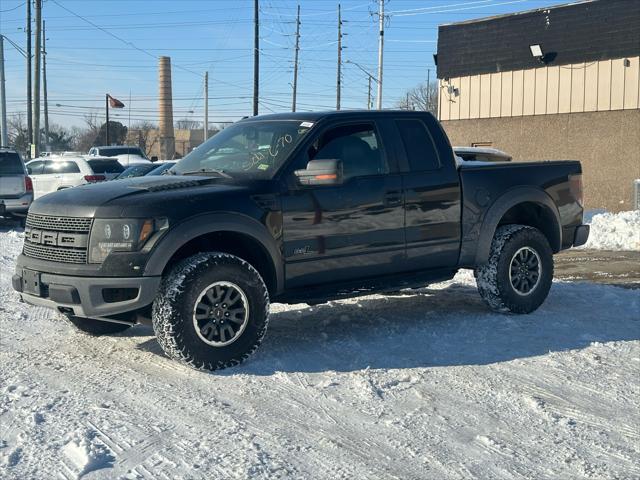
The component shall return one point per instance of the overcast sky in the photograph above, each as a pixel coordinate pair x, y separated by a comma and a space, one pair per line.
99, 46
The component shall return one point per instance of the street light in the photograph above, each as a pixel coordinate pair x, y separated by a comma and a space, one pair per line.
371, 77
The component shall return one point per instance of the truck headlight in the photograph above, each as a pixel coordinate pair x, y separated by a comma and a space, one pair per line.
121, 235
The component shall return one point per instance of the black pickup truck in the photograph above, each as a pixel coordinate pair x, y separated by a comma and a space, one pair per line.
299, 207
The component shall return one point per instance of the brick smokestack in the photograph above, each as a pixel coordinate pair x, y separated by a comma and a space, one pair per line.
165, 107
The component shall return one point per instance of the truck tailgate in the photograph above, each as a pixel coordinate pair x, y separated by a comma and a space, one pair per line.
11, 186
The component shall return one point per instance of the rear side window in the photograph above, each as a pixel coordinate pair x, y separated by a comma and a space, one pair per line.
418, 145
61, 167
10, 164
35, 168
106, 166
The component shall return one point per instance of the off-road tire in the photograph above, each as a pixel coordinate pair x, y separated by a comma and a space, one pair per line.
493, 278
97, 328
174, 308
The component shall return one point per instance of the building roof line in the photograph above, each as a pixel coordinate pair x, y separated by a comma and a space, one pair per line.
523, 12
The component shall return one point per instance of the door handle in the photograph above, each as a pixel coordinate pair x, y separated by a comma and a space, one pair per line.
392, 198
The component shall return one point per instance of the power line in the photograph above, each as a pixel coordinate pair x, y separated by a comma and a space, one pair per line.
12, 9
120, 39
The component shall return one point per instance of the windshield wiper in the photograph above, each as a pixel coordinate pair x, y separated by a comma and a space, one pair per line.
203, 171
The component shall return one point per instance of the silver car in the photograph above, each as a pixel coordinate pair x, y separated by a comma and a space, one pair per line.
16, 188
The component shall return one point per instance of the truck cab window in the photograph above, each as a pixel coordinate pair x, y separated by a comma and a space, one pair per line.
357, 146
418, 145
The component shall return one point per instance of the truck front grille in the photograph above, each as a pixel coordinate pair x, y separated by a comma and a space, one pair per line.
57, 239
59, 224
55, 254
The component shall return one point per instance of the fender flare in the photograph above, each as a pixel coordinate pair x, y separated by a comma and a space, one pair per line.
502, 205
183, 232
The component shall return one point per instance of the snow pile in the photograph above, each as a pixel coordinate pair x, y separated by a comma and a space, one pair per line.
615, 231
85, 453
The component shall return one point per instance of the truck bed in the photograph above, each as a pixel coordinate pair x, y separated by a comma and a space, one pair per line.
485, 184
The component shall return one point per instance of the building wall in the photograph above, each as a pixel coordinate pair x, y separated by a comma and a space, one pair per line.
581, 87
606, 142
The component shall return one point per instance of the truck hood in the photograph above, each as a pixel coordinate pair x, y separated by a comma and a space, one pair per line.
128, 197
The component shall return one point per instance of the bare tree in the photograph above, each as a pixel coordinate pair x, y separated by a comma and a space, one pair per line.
422, 97
143, 134
18, 135
188, 124
84, 138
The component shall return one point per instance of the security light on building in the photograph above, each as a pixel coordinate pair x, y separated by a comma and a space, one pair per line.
536, 51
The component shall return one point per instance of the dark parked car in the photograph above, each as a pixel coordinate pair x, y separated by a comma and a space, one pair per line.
16, 188
298, 207
138, 170
161, 169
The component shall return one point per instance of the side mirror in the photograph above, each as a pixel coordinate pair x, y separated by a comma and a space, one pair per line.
154, 159
321, 172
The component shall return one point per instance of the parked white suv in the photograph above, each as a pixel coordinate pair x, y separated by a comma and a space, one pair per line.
126, 154
55, 173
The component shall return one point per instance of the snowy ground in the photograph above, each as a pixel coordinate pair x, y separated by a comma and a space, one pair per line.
418, 385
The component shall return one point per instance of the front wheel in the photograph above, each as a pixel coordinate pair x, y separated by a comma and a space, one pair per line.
518, 274
211, 311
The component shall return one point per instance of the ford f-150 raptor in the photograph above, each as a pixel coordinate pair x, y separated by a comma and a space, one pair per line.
297, 207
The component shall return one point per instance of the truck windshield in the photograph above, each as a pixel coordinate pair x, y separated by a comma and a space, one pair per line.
253, 148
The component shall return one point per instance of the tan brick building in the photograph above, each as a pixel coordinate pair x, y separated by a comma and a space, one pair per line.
578, 98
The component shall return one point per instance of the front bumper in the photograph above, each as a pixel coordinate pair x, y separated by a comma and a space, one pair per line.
16, 206
89, 297
581, 235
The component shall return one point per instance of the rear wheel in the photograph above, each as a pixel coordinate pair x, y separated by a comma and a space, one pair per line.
519, 272
211, 311
97, 327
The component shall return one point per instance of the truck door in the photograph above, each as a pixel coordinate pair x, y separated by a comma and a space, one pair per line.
342, 232
432, 199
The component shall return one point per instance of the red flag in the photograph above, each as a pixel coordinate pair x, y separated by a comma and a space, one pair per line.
114, 102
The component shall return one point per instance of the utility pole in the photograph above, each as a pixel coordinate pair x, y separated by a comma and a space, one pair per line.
29, 114
4, 140
36, 79
256, 57
370, 77
206, 106
429, 90
44, 85
106, 125
339, 79
295, 63
380, 51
